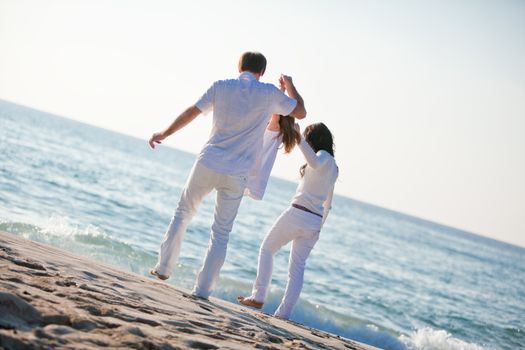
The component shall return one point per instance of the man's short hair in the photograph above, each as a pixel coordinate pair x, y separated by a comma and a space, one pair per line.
254, 62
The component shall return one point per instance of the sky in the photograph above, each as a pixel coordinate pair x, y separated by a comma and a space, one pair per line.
426, 99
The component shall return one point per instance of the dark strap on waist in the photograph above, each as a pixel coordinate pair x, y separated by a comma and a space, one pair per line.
300, 207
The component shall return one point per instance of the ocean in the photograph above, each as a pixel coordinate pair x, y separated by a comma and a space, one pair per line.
376, 276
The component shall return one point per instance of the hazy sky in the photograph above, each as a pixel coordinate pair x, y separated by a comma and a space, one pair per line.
426, 99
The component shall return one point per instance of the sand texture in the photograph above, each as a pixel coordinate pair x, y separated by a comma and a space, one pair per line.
52, 299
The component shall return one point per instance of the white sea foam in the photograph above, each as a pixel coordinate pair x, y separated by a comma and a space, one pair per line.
62, 226
431, 339
372, 335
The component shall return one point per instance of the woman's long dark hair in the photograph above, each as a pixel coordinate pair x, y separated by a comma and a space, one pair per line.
319, 138
290, 136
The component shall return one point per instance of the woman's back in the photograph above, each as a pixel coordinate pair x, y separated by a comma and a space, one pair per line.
317, 184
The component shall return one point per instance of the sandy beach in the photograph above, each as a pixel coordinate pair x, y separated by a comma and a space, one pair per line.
52, 299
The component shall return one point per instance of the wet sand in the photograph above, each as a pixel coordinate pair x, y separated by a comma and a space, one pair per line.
52, 299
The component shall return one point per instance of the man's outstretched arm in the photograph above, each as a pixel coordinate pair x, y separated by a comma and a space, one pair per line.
181, 121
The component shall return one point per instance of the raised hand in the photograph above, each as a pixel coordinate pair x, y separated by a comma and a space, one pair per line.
281, 84
286, 82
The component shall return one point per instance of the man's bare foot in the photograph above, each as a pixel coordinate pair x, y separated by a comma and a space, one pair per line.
250, 302
159, 276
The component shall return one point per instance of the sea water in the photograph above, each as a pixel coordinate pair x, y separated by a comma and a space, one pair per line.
376, 276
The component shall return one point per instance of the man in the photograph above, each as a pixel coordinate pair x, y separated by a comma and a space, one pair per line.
241, 109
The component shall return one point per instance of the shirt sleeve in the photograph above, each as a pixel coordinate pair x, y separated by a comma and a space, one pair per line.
206, 102
327, 205
281, 103
312, 159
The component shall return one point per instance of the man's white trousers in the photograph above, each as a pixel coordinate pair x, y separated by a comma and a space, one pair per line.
201, 182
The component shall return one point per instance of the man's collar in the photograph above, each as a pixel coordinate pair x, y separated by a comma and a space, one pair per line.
247, 75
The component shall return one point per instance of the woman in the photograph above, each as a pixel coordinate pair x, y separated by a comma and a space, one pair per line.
301, 223
280, 131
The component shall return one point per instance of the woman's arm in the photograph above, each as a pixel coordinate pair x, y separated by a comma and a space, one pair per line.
312, 159
327, 205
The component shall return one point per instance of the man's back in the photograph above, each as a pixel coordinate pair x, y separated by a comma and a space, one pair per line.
241, 110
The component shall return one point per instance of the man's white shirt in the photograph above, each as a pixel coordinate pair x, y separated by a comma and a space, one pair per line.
241, 110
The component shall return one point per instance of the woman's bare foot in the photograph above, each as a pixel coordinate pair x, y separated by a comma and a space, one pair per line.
250, 302
159, 276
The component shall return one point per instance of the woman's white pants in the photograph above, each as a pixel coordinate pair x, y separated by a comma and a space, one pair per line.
300, 227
